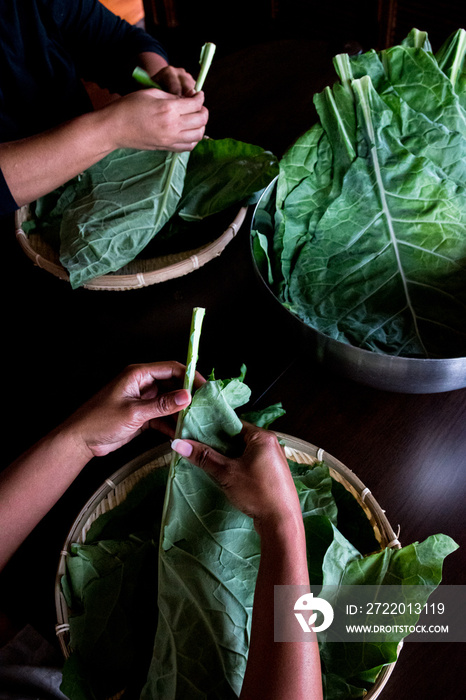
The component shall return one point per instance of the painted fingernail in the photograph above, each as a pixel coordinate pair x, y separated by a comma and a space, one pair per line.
182, 448
181, 397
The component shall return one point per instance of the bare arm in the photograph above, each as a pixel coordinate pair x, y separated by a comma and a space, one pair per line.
260, 484
141, 397
146, 119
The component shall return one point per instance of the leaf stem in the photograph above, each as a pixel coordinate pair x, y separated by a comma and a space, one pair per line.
191, 361
205, 60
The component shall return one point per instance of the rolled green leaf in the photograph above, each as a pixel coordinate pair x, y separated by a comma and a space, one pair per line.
144, 78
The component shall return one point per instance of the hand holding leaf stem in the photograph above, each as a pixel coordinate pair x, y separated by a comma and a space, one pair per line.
156, 120
145, 119
176, 81
141, 397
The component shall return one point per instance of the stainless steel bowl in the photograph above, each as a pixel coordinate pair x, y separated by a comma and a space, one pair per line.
398, 374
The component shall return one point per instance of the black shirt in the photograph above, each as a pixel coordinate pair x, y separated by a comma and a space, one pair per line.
46, 48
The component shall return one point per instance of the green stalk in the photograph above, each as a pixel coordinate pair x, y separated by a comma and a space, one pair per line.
342, 65
191, 361
205, 60
459, 56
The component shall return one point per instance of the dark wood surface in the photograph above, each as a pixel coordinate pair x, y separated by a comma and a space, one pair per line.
61, 345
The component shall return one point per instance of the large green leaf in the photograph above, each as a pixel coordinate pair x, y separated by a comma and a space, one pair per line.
415, 569
111, 610
421, 126
223, 172
120, 204
207, 566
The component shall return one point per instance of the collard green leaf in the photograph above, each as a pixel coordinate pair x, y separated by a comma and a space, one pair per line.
207, 566
136, 514
417, 567
352, 521
212, 416
223, 172
263, 418
103, 219
415, 74
416, 126
75, 682
305, 183
120, 204
112, 615
337, 688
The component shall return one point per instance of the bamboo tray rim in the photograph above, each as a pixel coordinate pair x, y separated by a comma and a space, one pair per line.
114, 490
134, 275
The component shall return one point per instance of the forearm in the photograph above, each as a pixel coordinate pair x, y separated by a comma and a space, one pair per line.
32, 484
39, 164
151, 62
280, 670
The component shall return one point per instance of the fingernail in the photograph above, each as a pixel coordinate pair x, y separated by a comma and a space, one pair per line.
182, 448
181, 397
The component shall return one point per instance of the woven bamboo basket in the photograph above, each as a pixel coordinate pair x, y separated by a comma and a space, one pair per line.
140, 272
116, 488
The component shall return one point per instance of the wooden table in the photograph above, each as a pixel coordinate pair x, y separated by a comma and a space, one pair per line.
62, 345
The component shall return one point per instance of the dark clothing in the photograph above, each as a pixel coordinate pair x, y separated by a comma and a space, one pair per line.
30, 668
46, 47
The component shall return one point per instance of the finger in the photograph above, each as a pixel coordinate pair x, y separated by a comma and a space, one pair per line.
167, 404
183, 147
189, 91
186, 105
259, 440
161, 371
203, 456
174, 370
191, 136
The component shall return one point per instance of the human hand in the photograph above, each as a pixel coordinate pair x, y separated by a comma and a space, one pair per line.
176, 81
142, 396
152, 119
259, 482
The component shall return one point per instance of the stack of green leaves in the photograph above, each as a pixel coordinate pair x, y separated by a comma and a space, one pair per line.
369, 233
161, 593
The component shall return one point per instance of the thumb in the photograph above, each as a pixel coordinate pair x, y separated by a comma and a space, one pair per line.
202, 456
165, 404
